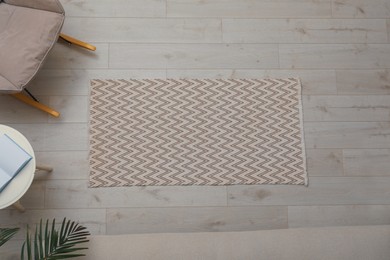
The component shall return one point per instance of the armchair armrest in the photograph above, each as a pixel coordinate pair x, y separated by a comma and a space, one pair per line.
46, 5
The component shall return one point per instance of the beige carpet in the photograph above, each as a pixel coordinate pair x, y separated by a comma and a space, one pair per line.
196, 132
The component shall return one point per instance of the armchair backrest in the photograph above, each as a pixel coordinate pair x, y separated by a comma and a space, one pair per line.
46, 5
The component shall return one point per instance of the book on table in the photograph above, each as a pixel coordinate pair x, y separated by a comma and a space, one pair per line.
13, 159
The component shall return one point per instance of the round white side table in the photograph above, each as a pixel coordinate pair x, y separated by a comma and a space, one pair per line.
20, 184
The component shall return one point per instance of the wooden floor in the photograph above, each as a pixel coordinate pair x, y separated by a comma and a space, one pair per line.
339, 48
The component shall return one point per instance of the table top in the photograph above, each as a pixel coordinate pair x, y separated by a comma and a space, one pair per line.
20, 184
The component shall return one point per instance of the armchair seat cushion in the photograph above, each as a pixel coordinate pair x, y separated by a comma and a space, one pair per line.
26, 37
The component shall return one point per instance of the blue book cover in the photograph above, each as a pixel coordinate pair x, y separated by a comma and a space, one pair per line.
13, 159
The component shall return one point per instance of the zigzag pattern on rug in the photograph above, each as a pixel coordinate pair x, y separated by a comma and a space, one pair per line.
196, 132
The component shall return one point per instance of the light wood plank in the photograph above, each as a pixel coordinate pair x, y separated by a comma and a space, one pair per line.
248, 8
67, 165
304, 30
347, 134
141, 30
15, 111
60, 82
76, 194
314, 82
11, 249
93, 219
175, 56
324, 162
321, 191
126, 74
204, 73
367, 162
66, 82
346, 215
114, 8
34, 198
340, 56
194, 219
346, 108
363, 82
65, 56
63, 137
73, 109
361, 8
388, 30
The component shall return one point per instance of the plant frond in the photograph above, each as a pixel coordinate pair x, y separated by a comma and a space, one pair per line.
50, 244
6, 234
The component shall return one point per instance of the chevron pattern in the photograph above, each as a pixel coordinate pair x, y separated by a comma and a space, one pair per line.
196, 132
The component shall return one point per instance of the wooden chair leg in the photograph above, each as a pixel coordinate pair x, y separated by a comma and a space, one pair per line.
36, 104
17, 205
77, 42
45, 168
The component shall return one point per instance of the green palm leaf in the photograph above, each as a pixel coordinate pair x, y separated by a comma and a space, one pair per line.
51, 244
6, 234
